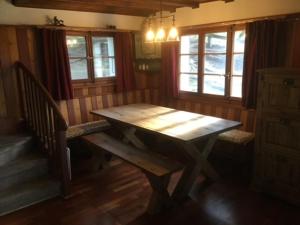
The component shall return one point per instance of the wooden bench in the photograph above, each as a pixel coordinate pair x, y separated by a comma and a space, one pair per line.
157, 168
233, 153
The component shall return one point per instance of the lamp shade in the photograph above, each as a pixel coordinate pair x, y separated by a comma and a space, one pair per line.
160, 35
150, 35
173, 34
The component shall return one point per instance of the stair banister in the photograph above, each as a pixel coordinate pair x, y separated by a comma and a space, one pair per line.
45, 120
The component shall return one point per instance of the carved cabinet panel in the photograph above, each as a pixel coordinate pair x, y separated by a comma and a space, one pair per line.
281, 93
278, 133
281, 131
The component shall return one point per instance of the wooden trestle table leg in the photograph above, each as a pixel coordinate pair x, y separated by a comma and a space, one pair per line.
192, 170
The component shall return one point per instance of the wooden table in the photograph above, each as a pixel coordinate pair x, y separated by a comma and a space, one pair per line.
182, 127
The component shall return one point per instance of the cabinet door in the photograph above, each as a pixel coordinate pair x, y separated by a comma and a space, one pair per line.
281, 174
281, 93
281, 131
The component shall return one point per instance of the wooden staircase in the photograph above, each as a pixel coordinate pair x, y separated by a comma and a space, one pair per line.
33, 153
24, 174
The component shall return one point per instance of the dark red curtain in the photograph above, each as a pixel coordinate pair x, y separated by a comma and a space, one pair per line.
56, 63
170, 64
124, 61
266, 46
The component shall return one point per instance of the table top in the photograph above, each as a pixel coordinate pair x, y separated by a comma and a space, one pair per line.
180, 125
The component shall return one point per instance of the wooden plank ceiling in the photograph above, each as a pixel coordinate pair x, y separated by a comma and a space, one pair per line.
125, 7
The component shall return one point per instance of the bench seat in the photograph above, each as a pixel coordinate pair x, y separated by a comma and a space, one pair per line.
233, 153
236, 136
148, 161
86, 128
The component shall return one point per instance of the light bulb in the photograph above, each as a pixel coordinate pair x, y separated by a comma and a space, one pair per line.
173, 34
150, 35
160, 35
71, 42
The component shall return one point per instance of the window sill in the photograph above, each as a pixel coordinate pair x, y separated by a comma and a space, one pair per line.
105, 81
207, 98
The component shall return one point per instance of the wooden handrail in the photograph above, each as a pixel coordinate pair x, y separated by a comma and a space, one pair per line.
45, 92
45, 120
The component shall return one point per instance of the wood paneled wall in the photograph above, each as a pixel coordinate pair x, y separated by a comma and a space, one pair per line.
20, 43
77, 110
16, 43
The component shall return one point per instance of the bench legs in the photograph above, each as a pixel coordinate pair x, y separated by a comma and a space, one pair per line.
160, 197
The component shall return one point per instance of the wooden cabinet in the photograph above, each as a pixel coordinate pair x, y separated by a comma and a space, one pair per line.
278, 133
147, 55
146, 50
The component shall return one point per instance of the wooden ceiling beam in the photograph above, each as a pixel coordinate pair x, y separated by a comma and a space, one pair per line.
81, 6
133, 4
125, 7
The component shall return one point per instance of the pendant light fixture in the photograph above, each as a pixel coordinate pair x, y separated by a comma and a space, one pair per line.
160, 34
173, 32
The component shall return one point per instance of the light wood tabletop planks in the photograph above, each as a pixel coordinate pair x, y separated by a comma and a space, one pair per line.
180, 125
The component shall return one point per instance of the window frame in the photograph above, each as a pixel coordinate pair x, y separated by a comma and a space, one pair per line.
90, 57
230, 29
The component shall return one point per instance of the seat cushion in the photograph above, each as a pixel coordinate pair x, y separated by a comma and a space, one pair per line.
86, 128
236, 136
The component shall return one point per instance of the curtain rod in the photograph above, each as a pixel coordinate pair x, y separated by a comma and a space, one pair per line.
294, 16
70, 28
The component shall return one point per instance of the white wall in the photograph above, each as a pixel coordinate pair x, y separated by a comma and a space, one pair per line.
9, 14
239, 9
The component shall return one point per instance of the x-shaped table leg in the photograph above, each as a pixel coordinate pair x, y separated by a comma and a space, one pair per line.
129, 136
192, 171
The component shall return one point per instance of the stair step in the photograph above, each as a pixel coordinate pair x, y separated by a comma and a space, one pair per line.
23, 169
27, 194
13, 146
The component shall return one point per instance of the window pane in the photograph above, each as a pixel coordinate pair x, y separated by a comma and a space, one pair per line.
104, 67
78, 69
215, 64
103, 46
189, 44
216, 42
239, 41
76, 46
189, 63
189, 82
236, 87
214, 85
238, 64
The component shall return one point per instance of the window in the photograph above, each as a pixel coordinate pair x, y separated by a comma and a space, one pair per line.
104, 56
91, 57
212, 62
189, 63
237, 63
215, 63
78, 57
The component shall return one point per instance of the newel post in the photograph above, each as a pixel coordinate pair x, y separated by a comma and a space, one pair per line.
20, 90
63, 157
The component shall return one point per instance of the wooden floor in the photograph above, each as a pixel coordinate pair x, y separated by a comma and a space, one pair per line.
119, 195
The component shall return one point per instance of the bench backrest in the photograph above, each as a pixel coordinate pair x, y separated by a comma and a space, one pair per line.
76, 111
